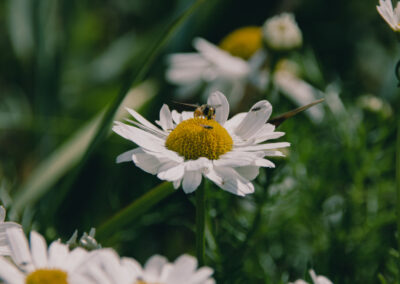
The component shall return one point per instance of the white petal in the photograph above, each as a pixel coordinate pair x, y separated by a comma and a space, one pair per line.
76, 258
143, 121
254, 120
153, 268
248, 172
228, 179
191, 181
177, 183
9, 273
182, 270
221, 104
140, 137
38, 250
125, 157
19, 248
165, 118
171, 171
267, 146
58, 253
264, 163
319, 279
201, 275
200, 164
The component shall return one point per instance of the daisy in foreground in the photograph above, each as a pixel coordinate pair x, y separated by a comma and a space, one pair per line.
39, 265
390, 15
190, 145
108, 268
4, 247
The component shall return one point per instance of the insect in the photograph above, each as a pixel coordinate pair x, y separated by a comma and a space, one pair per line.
206, 110
206, 126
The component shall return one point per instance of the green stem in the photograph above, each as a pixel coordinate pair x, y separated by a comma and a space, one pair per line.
200, 223
134, 210
398, 187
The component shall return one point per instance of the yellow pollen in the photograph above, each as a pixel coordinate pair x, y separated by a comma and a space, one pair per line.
199, 137
243, 42
47, 276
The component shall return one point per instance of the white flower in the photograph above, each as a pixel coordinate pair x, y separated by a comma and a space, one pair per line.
108, 268
392, 17
211, 65
281, 32
228, 152
39, 264
317, 279
4, 246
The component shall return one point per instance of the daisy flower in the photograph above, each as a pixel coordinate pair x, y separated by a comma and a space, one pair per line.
229, 67
4, 246
109, 268
282, 32
317, 279
187, 147
39, 264
390, 15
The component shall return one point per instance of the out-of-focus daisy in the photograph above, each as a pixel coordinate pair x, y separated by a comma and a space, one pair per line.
282, 33
4, 246
39, 264
390, 15
228, 152
228, 68
317, 279
108, 268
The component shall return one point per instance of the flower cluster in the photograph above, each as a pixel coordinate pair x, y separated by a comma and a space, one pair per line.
245, 61
37, 263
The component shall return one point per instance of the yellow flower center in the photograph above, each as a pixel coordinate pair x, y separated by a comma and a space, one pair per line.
243, 42
199, 137
47, 276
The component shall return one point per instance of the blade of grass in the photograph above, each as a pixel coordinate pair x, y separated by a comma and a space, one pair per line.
49, 171
134, 210
137, 76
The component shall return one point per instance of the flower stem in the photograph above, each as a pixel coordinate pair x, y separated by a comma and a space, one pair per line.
398, 186
200, 223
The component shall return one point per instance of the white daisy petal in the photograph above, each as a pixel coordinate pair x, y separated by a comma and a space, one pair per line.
191, 181
58, 253
126, 156
139, 136
219, 100
171, 173
19, 248
165, 118
153, 268
269, 146
38, 250
142, 120
228, 179
198, 165
201, 275
9, 273
248, 172
255, 118
182, 270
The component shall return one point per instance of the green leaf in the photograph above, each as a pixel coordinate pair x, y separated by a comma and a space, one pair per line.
134, 210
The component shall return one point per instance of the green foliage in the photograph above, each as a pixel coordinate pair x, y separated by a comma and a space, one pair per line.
329, 205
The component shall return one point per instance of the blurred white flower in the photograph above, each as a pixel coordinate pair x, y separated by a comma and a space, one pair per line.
186, 148
108, 268
211, 65
39, 264
4, 245
282, 33
390, 15
317, 279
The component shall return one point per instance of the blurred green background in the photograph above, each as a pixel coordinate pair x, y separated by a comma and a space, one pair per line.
330, 205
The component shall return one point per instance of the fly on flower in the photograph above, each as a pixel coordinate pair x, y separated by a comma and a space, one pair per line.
206, 110
187, 147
